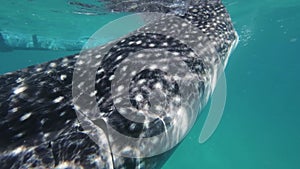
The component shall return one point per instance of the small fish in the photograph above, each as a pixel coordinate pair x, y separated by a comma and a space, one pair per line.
39, 124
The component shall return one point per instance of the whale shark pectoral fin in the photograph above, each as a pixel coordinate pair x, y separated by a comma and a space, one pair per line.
218, 101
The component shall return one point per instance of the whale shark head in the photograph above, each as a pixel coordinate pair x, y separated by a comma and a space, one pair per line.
151, 84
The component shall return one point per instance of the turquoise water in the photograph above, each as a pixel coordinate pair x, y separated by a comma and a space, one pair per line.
261, 122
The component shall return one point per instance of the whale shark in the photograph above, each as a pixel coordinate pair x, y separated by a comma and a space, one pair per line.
46, 117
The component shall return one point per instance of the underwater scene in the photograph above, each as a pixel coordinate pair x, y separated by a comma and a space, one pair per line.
44, 121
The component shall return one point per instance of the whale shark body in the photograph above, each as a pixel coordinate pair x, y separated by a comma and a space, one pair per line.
39, 126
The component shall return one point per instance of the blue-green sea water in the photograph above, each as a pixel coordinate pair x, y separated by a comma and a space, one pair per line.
260, 128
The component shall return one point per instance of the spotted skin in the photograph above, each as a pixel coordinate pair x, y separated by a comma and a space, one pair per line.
38, 123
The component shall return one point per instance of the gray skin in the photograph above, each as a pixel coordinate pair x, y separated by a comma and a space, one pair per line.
38, 123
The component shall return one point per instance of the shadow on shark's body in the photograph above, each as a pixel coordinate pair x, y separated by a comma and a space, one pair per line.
38, 120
